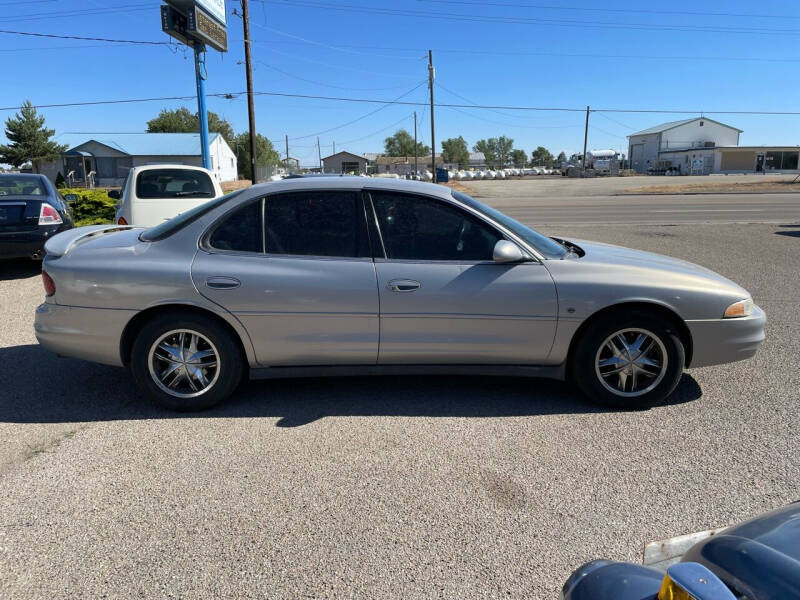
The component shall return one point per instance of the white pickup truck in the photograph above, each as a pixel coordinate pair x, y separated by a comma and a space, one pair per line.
153, 193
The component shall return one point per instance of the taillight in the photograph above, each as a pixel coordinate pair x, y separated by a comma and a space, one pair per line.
49, 215
122, 221
49, 284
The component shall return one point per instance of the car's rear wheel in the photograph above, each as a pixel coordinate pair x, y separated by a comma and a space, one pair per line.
185, 362
628, 361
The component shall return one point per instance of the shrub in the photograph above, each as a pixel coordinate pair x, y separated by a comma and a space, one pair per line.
93, 207
60, 183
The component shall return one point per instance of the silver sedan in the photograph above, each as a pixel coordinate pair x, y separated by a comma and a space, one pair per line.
351, 275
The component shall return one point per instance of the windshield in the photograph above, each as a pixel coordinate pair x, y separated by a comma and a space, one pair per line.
21, 186
167, 228
174, 183
546, 246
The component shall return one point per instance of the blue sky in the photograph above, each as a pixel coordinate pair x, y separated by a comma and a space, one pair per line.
545, 53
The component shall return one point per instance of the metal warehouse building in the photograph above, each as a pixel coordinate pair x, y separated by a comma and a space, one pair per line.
702, 146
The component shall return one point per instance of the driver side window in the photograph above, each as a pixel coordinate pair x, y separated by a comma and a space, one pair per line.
420, 228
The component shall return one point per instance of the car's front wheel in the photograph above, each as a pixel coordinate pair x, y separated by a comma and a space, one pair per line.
185, 362
628, 361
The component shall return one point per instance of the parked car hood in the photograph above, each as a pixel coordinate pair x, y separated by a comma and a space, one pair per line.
619, 255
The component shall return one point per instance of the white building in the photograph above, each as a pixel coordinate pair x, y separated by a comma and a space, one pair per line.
699, 135
110, 156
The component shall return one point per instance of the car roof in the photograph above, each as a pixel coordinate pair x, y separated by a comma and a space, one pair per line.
37, 176
168, 166
352, 183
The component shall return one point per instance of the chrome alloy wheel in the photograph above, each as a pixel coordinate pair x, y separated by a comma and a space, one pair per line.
631, 362
183, 363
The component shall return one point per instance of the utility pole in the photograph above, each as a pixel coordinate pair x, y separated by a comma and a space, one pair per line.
416, 168
251, 112
431, 76
319, 155
334, 147
287, 150
585, 140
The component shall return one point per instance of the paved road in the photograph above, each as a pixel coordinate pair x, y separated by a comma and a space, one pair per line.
386, 488
525, 201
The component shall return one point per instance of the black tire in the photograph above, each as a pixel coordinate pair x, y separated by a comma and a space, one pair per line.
590, 349
225, 377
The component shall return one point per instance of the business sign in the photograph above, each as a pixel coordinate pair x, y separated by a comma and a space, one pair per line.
216, 8
173, 23
196, 21
201, 26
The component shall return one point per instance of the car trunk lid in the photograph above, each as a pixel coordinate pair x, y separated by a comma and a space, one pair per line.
19, 214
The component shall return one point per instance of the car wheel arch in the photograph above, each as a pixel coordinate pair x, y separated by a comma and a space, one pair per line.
139, 319
652, 308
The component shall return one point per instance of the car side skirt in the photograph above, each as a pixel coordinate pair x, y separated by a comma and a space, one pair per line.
545, 371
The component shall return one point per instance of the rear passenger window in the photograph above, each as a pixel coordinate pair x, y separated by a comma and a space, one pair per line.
239, 232
324, 223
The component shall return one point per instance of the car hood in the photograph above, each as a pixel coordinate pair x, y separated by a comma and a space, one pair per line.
628, 257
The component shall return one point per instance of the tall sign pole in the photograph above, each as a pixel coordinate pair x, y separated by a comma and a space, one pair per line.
200, 73
200, 24
431, 76
251, 111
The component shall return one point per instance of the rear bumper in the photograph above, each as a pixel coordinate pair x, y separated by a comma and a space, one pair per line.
719, 341
92, 334
26, 244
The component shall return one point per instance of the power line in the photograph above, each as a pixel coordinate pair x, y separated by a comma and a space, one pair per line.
369, 114
90, 39
535, 21
473, 51
617, 122
77, 13
232, 95
330, 85
614, 10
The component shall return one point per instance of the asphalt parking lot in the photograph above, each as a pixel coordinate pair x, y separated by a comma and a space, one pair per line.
387, 488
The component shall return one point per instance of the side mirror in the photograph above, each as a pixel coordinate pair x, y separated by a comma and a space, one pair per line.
70, 198
507, 252
113, 194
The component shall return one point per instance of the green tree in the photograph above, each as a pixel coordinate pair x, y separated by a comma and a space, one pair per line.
30, 139
402, 144
503, 147
486, 147
182, 120
454, 150
497, 151
562, 158
265, 153
519, 158
541, 157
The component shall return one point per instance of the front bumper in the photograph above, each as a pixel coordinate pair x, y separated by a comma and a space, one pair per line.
92, 334
719, 341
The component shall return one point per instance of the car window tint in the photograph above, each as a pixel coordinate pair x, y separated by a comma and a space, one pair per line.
240, 231
419, 228
174, 183
321, 223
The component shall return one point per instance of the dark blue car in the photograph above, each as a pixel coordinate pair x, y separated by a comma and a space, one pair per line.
755, 560
31, 212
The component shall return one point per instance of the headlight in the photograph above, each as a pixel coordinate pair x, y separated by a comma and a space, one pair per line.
742, 308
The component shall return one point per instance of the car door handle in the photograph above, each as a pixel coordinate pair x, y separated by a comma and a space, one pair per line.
404, 285
223, 283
